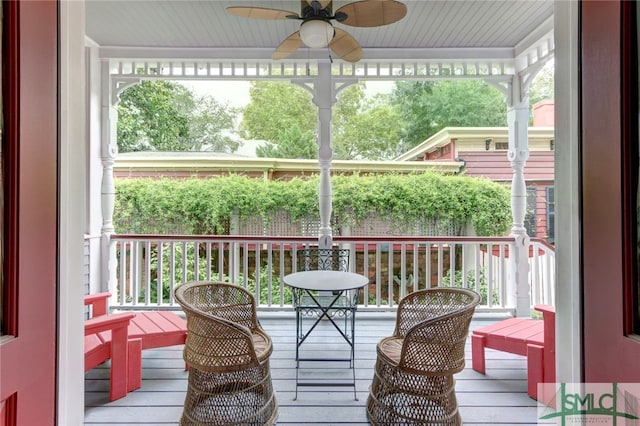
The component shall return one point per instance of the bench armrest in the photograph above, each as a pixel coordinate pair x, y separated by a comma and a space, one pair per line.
107, 322
545, 309
98, 303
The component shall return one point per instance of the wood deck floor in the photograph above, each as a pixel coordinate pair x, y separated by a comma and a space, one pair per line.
499, 398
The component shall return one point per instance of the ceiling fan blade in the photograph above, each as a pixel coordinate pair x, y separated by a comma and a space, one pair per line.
260, 12
372, 13
345, 46
288, 46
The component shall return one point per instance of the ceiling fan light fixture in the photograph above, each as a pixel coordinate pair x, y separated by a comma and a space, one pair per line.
316, 33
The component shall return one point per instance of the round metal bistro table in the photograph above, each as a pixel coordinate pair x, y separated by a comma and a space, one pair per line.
326, 295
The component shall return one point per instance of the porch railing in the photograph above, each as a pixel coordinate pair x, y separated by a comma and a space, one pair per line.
147, 268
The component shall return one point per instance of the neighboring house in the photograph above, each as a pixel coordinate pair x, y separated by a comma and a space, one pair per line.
205, 164
483, 151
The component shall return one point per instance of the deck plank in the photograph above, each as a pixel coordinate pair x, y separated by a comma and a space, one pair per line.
497, 398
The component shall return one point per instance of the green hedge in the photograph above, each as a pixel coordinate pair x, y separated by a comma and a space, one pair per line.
204, 206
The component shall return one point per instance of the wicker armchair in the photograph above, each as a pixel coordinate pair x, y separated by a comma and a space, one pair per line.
413, 382
228, 356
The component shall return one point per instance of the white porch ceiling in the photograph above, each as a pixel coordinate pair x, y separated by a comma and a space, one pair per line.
454, 28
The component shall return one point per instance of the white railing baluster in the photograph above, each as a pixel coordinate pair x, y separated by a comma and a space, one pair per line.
440, 264
233, 262
281, 274
159, 277
403, 270
416, 269
427, 266
135, 271
146, 272
172, 269
269, 274
378, 276
365, 271
122, 293
452, 265
256, 272
390, 274
537, 292
550, 276
245, 264
489, 268
184, 262
208, 249
477, 264
502, 273
196, 261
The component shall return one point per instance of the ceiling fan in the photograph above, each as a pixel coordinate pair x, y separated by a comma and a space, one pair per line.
316, 30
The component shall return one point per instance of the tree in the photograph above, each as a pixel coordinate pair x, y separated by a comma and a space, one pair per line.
284, 115
275, 106
364, 128
167, 116
292, 143
542, 85
211, 127
426, 107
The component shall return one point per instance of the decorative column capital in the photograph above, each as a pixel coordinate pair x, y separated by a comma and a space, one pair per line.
518, 157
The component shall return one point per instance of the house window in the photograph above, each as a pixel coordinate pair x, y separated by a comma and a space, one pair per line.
551, 215
530, 219
502, 146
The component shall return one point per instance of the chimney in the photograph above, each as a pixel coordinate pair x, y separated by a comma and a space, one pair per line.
543, 113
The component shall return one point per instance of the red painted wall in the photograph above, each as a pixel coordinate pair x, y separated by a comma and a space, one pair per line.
30, 104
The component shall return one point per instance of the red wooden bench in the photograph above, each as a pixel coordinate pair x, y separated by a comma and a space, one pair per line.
143, 330
532, 338
106, 337
158, 329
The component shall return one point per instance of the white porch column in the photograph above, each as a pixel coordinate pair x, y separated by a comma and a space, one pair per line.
109, 150
324, 98
518, 122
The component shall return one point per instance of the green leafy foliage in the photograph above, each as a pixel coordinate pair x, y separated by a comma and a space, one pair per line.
364, 128
167, 116
285, 116
483, 287
292, 143
427, 107
275, 106
542, 84
205, 206
277, 291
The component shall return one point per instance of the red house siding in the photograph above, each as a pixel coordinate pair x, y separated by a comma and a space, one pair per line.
538, 173
494, 165
541, 209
